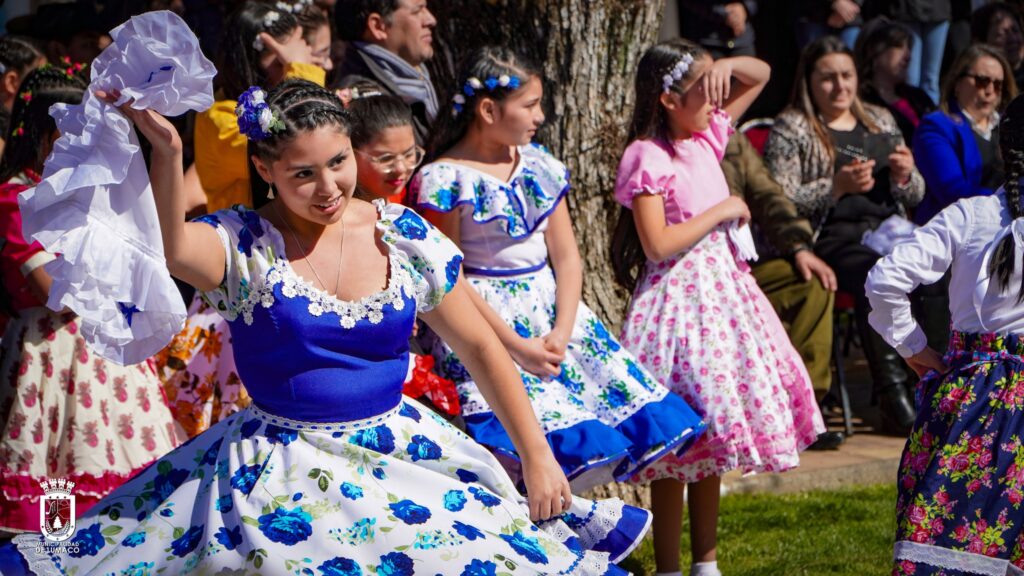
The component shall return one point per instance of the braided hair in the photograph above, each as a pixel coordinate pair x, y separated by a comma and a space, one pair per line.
240, 66
300, 106
649, 121
1011, 145
373, 111
31, 126
485, 62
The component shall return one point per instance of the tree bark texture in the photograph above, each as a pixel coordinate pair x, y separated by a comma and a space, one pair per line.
589, 50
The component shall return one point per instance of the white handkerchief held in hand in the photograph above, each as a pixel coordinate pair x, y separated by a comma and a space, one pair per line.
743, 240
892, 230
94, 206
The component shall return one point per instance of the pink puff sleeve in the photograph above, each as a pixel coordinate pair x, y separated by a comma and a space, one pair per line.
718, 132
645, 168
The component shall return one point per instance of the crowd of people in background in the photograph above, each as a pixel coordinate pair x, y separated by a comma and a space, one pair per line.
895, 114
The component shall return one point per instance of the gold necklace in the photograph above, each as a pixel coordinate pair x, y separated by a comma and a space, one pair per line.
341, 251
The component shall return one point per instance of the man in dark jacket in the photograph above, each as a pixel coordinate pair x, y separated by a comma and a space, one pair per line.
388, 42
799, 285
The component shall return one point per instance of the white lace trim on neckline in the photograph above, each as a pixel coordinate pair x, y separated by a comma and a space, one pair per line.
349, 312
950, 559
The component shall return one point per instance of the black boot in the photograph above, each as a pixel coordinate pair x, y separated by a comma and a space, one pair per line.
890, 377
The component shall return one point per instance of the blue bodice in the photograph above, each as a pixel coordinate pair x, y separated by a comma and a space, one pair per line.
312, 368
302, 353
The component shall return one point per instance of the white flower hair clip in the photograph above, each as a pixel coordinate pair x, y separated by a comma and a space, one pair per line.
677, 73
295, 8
269, 19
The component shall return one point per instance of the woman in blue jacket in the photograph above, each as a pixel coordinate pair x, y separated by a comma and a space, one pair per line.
956, 147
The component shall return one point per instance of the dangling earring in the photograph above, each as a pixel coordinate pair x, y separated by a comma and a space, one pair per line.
270, 193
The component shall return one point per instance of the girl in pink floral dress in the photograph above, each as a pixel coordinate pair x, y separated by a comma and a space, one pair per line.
66, 411
698, 320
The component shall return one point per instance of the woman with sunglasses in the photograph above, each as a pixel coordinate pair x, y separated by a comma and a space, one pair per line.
956, 147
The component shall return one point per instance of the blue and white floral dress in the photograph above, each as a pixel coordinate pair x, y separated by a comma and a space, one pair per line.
605, 416
331, 471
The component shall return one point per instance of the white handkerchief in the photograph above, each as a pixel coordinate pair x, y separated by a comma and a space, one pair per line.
884, 238
743, 240
94, 206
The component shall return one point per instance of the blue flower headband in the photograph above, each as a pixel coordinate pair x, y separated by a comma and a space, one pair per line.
473, 85
255, 118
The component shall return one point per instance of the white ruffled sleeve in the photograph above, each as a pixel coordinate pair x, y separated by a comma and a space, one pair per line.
433, 259
94, 207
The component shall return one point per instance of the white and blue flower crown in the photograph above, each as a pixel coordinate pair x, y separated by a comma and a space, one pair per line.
255, 118
677, 73
474, 85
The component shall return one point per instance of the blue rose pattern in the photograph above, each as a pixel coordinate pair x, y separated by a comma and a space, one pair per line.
89, 542
480, 568
379, 439
351, 491
410, 512
423, 448
244, 479
411, 226
395, 564
278, 435
454, 500
188, 541
340, 567
286, 526
526, 546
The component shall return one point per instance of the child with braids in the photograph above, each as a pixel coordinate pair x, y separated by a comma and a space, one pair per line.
698, 320
502, 199
66, 411
18, 57
330, 469
961, 477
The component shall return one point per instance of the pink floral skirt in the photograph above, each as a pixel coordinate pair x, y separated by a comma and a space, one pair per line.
702, 326
70, 414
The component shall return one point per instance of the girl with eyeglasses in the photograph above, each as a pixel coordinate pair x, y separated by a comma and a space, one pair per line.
956, 147
386, 156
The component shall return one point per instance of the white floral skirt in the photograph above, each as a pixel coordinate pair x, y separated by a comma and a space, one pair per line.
397, 494
71, 414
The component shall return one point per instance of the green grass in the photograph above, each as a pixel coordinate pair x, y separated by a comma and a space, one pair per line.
848, 532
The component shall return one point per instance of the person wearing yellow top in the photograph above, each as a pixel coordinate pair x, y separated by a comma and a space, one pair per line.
263, 46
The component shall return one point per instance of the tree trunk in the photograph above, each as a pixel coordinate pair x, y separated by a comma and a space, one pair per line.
589, 50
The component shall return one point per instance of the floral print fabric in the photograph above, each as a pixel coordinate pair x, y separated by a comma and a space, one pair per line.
69, 413
404, 493
702, 326
198, 371
961, 477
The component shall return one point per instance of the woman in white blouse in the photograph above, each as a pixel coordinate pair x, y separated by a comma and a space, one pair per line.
961, 478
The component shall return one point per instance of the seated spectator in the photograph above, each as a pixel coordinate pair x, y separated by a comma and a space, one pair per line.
389, 41
883, 58
723, 27
998, 24
835, 158
956, 147
928, 21
797, 283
